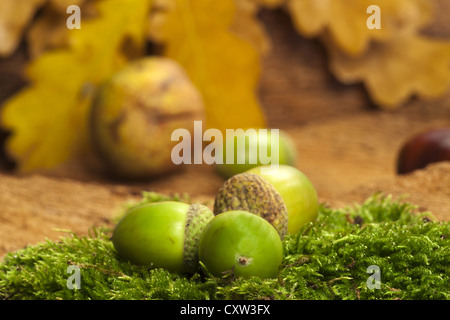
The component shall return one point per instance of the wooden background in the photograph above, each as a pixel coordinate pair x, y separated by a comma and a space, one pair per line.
346, 146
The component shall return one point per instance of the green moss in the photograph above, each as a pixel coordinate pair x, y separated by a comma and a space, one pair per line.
328, 259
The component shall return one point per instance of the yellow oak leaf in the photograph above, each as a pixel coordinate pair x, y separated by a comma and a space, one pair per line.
223, 66
346, 20
48, 119
394, 71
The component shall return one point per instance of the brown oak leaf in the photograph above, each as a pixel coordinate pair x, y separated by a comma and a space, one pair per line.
346, 20
15, 15
394, 71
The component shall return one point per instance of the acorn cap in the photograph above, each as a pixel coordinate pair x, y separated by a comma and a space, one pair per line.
251, 192
197, 218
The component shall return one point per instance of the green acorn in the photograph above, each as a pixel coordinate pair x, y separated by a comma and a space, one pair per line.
250, 143
162, 234
283, 195
250, 192
241, 243
296, 190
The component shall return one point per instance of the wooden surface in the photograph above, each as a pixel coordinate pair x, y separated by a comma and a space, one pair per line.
346, 146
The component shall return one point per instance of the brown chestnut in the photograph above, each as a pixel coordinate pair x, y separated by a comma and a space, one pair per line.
425, 148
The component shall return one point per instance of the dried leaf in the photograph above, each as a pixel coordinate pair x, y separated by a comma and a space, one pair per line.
15, 16
394, 71
61, 5
224, 67
48, 120
270, 4
246, 25
49, 30
346, 20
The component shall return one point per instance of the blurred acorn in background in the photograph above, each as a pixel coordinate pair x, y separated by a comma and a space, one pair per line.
251, 146
135, 113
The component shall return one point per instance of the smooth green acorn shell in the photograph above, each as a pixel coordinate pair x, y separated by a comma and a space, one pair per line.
241, 243
297, 191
